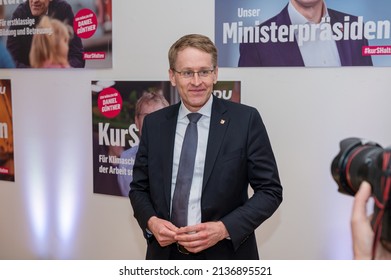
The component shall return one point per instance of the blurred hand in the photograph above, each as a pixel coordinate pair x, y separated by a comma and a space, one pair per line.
362, 232
199, 237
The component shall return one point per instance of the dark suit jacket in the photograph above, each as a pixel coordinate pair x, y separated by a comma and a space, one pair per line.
288, 53
20, 46
238, 153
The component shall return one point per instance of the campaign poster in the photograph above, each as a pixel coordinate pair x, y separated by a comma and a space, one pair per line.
7, 171
56, 34
263, 33
118, 109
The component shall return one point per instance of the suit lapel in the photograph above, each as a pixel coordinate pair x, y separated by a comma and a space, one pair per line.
167, 142
288, 53
218, 126
343, 46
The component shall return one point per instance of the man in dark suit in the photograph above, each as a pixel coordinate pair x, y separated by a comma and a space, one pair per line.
317, 53
19, 46
233, 152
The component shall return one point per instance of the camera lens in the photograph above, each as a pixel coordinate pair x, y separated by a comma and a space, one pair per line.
357, 161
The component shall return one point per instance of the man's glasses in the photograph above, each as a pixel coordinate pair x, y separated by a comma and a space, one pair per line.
188, 74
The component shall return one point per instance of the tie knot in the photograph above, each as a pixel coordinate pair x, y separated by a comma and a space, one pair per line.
194, 117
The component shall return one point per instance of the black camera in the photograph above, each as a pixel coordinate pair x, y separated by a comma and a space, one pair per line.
360, 160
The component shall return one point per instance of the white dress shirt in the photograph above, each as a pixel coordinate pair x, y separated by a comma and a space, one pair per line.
194, 210
317, 52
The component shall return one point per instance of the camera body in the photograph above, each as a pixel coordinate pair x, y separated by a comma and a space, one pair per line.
358, 161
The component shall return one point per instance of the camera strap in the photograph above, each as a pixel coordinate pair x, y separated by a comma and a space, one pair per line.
382, 200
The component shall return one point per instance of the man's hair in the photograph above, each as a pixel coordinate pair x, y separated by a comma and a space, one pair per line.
149, 97
196, 41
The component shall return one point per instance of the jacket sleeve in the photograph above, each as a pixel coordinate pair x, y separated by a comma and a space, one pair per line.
263, 177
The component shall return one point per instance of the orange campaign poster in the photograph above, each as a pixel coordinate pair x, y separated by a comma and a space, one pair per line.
56, 34
7, 172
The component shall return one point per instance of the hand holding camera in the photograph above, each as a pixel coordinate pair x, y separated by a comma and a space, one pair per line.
362, 232
360, 161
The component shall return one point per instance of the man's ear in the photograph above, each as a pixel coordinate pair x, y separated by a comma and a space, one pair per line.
215, 75
171, 75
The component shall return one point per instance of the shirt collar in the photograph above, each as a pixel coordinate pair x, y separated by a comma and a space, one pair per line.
206, 110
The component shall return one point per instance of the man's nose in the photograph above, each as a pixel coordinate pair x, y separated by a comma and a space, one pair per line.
196, 80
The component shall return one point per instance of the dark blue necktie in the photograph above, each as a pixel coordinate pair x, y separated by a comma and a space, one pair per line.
180, 199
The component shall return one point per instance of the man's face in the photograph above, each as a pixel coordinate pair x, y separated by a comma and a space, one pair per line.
195, 91
147, 108
307, 3
39, 7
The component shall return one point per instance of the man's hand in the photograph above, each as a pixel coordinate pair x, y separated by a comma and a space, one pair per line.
362, 232
164, 231
199, 237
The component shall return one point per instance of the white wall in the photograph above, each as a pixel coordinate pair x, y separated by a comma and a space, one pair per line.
50, 212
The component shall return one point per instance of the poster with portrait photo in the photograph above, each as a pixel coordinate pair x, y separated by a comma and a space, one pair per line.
56, 34
118, 108
7, 171
261, 33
